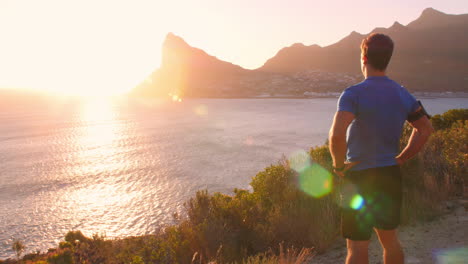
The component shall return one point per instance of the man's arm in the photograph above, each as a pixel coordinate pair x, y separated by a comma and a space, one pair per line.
337, 137
422, 129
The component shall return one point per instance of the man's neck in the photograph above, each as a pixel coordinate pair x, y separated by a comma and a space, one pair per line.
373, 73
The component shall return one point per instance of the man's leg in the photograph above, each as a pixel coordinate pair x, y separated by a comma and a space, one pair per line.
393, 253
356, 221
358, 252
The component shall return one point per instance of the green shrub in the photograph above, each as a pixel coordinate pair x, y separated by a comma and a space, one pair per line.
447, 119
18, 247
137, 260
65, 244
61, 257
73, 237
446, 158
439, 171
230, 228
32, 256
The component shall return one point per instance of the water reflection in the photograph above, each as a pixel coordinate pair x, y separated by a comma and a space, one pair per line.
98, 118
99, 165
98, 137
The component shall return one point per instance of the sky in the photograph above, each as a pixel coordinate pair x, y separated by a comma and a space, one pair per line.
86, 46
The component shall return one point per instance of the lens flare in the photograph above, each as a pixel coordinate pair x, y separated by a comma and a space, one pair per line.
315, 181
347, 192
456, 255
175, 98
357, 202
299, 161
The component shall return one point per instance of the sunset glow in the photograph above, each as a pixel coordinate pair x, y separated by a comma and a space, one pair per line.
108, 47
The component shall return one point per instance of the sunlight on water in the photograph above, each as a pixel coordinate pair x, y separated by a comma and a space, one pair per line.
100, 196
98, 127
97, 138
97, 109
100, 199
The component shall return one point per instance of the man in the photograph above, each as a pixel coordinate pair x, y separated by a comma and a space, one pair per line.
375, 111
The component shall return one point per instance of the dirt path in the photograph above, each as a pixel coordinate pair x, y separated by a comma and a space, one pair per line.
442, 241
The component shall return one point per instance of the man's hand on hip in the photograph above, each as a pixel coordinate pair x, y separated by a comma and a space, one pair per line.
347, 166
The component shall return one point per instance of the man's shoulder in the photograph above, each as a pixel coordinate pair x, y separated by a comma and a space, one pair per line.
396, 84
369, 83
356, 87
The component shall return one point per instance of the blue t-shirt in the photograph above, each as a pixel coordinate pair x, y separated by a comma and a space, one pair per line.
381, 107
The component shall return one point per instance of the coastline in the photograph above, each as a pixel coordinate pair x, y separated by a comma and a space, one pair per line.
421, 95
307, 95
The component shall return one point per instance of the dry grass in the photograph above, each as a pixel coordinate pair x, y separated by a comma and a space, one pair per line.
288, 256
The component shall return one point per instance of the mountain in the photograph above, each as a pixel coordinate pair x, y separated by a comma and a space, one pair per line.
188, 71
431, 54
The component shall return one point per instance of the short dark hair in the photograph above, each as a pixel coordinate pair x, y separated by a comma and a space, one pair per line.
378, 48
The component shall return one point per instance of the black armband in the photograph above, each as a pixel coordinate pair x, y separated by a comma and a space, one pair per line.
418, 114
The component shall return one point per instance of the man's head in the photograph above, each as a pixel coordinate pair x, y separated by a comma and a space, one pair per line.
376, 51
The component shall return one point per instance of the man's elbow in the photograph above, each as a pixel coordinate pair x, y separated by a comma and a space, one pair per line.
334, 136
423, 127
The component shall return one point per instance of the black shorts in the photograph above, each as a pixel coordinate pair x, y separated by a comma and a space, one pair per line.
370, 198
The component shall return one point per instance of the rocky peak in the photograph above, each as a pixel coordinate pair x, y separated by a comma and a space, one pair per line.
431, 12
396, 26
302, 46
174, 41
297, 45
431, 18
